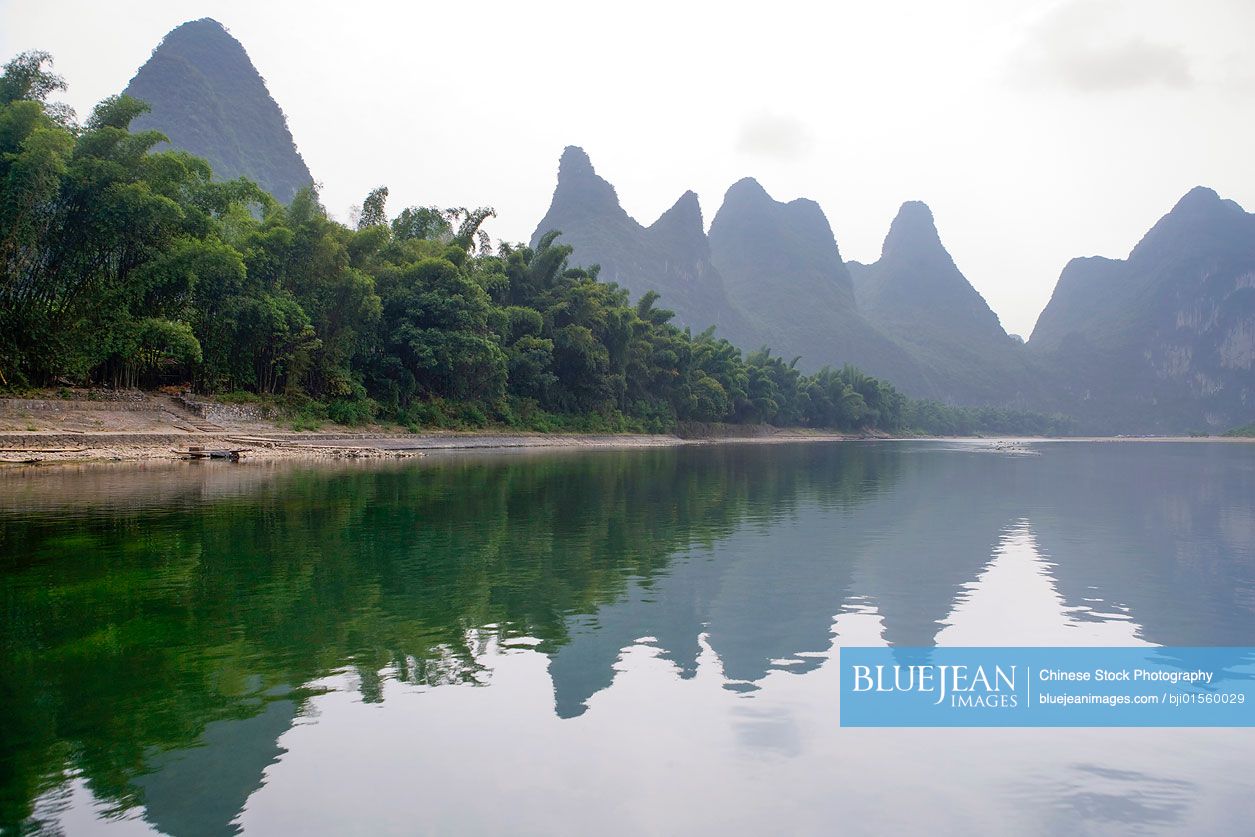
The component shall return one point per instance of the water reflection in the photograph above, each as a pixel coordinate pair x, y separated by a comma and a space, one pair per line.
218, 649
201, 790
1089, 796
1015, 602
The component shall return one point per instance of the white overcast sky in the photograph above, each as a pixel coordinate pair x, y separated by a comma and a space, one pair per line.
1036, 130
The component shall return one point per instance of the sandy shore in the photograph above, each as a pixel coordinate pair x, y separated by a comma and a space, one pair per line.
105, 426
50, 447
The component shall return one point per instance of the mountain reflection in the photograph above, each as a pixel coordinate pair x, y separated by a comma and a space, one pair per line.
163, 633
1014, 602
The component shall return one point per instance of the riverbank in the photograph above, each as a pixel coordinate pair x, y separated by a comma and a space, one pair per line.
50, 447
148, 427
143, 427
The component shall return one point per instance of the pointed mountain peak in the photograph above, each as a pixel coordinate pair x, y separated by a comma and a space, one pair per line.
581, 197
688, 201
747, 204
747, 194
916, 287
1202, 202
748, 198
1200, 214
682, 224
198, 41
915, 213
913, 233
201, 28
575, 163
580, 186
809, 214
204, 24
756, 240
685, 213
208, 99
1199, 196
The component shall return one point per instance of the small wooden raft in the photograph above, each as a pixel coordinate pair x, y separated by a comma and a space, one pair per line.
197, 452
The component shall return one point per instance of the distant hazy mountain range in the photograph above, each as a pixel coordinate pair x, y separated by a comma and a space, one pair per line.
773, 274
1163, 341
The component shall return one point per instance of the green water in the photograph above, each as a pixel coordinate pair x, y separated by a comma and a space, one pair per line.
609, 642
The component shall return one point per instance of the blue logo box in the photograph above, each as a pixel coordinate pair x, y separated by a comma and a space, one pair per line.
1047, 687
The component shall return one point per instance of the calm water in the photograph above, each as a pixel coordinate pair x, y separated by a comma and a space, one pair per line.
606, 642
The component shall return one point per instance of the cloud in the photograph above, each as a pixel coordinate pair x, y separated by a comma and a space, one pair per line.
1089, 47
774, 135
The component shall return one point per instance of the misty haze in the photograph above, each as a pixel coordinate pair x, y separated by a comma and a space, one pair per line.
497, 421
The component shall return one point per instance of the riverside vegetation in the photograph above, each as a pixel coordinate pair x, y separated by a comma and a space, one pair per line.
125, 265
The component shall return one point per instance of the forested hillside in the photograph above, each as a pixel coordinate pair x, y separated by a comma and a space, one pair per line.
126, 265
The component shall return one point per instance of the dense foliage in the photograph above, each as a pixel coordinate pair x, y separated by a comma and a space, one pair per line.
127, 266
